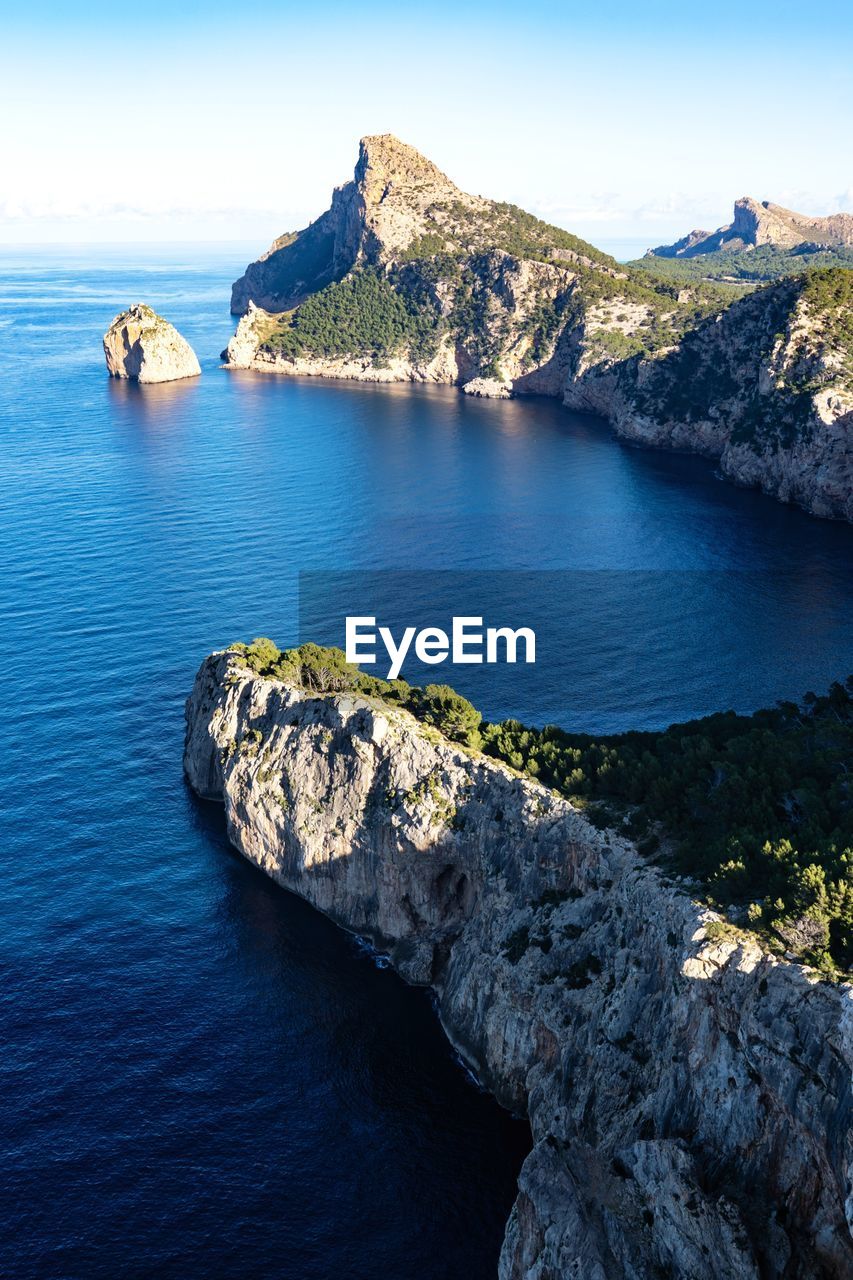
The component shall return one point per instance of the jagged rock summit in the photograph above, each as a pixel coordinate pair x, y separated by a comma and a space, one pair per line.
755, 224
389, 204
141, 345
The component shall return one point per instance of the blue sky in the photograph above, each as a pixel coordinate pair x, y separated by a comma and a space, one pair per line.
167, 121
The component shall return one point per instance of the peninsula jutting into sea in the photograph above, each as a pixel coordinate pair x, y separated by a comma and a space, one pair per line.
408, 278
688, 1087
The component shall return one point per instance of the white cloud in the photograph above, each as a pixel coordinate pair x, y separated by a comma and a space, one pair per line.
658, 214
14, 209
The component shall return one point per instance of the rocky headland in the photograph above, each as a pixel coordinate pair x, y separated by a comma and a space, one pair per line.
408, 278
141, 345
689, 1093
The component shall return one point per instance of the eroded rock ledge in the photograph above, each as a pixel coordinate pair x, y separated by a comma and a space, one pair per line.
690, 1099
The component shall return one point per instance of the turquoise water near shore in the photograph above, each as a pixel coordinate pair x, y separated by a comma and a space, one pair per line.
200, 1075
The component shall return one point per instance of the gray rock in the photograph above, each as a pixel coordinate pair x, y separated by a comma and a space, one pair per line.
689, 1099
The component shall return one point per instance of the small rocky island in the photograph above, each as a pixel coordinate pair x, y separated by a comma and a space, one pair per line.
141, 345
689, 1092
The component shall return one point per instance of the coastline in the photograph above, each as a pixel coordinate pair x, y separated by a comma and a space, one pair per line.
786, 478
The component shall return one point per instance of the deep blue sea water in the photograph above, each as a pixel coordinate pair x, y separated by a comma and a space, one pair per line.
199, 1075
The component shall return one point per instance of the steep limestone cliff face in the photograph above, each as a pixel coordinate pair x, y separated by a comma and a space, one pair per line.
689, 1098
373, 218
762, 223
766, 387
407, 278
143, 346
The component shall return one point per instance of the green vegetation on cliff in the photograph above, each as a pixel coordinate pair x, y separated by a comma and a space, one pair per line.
765, 263
718, 370
367, 313
510, 229
325, 670
757, 809
828, 293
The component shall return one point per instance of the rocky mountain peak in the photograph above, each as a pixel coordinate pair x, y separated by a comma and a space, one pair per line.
386, 165
396, 190
390, 202
756, 223
765, 223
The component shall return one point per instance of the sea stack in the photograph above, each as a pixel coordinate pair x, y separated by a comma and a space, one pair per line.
141, 345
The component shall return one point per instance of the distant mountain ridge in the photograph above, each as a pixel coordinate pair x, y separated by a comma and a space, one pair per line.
408, 278
755, 224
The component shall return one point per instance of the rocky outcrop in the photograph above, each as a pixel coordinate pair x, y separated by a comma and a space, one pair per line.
143, 346
251, 331
396, 197
488, 389
755, 224
689, 1095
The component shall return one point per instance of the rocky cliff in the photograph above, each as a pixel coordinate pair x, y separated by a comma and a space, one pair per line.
396, 197
689, 1095
141, 345
755, 224
408, 278
766, 386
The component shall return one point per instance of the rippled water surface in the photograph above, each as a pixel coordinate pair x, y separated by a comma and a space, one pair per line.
200, 1076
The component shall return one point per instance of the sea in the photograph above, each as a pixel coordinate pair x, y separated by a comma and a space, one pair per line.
200, 1075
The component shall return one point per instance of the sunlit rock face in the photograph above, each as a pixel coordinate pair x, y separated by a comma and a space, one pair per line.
689, 1098
141, 345
387, 206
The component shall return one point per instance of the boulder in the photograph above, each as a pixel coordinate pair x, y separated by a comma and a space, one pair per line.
488, 388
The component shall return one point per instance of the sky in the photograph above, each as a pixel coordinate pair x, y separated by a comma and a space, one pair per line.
189, 121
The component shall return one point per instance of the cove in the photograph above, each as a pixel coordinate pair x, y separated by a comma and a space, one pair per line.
201, 1075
